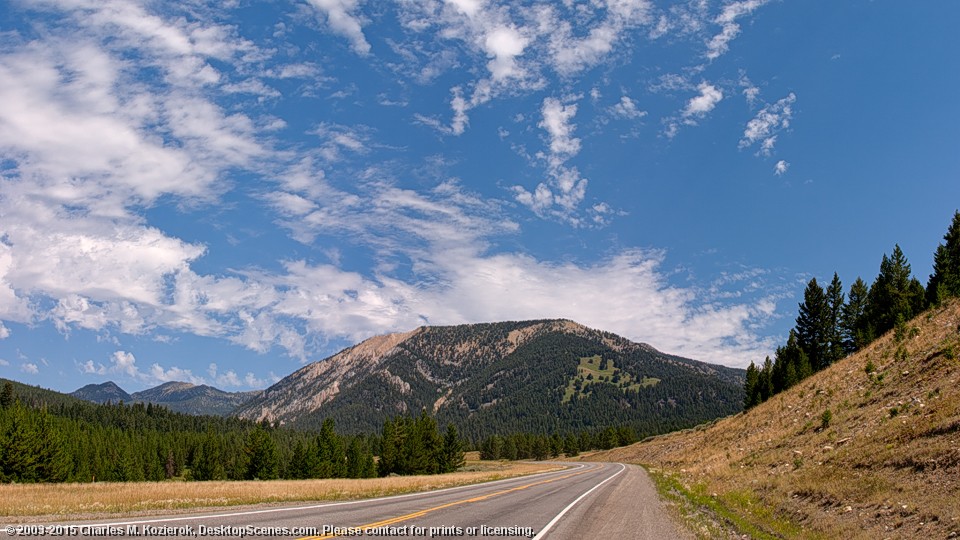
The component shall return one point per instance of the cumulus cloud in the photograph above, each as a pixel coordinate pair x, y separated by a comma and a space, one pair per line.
557, 123
29, 367
699, 106
769, 121
780, 168
341, 20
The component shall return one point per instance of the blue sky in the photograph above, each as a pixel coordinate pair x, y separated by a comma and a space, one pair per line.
219, 192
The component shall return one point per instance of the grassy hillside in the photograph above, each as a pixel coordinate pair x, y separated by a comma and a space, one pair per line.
868, 448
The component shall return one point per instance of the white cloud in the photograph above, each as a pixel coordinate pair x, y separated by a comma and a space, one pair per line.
627, 108
729, 29
781, 167
30, 368
557, 123
4, 363
4, 331
341, 20
701, 105
504, 44
770, 120
564, 190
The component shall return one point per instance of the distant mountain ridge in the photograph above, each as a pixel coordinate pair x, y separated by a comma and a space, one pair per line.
102, 393
502, 377
177, 396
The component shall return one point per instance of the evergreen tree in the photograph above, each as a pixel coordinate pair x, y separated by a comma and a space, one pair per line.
765, 380
18, 457
856, 329
751, 390
813, 325
332, 455
945, 280
208, 459
6, 395
300, 466
53, 463
263, 463
835, 306
452, 454
571, 446
893, 295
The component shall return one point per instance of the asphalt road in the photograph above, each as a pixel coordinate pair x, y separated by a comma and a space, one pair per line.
588, 500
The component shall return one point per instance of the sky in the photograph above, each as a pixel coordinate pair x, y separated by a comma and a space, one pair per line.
220, 192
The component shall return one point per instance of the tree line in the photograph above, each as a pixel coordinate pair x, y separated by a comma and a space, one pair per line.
540, 446
831, 324
86, 442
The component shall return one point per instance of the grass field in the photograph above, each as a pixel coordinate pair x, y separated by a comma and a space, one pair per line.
39, 502
589, 372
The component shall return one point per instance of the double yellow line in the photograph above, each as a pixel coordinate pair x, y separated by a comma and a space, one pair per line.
420, 513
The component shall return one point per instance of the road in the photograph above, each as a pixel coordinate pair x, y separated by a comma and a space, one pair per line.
587, 500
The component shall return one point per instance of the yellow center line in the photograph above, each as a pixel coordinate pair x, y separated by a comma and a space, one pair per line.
419, 513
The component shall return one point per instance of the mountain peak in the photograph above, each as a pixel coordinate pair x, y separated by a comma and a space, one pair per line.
465, 372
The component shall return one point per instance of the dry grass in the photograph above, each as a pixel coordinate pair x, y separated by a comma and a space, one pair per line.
885, 463
39, 501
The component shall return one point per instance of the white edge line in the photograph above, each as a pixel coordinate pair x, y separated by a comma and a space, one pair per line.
326, 505
556, 518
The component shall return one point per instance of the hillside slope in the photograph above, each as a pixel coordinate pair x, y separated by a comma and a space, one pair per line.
538, 376
883, 463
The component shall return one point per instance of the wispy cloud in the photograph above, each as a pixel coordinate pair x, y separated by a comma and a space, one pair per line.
769, 121
781, 168
729, 28
341, 19
627, 108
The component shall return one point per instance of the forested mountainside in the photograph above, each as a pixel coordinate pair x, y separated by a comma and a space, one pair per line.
544, 376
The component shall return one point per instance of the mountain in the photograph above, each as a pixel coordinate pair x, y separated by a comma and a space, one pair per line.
538, 376
177, 396
867, 448
193, 399
102, 393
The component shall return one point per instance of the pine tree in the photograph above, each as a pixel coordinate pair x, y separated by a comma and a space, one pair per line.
945, 280
751, 394
6, 395
452, 454
18, 458
813, 325
855, 326
263, 463
893, 295
835, 305
53, 463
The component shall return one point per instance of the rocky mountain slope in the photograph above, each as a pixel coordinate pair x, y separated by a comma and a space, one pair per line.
868, 448
548, 375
